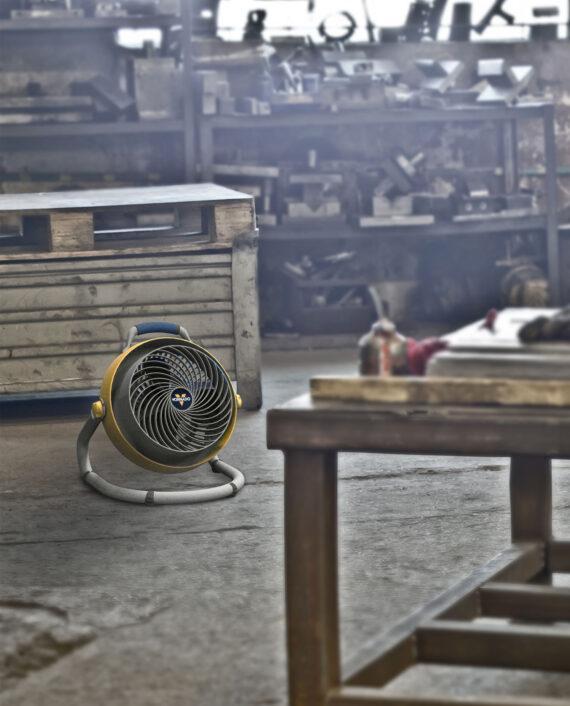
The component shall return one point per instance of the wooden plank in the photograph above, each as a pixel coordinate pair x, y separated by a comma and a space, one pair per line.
64, 365
480, 645
246, 321
152, 248
525, 602
71, 231
95, 200
364, 696
385, 657
36, 354
442, 391
120, 262
81, 296
19, 337
413, 429
531, 498
134, 311
233, 220
69, 385
311, 576
558, 556
110, 275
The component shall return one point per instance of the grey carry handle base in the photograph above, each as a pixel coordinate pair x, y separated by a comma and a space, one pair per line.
155, 327
153, 497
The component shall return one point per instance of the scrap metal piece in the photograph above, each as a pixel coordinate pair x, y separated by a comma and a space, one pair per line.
157, 87
506, 87
504, 83
356, 64
106, 93
439, 76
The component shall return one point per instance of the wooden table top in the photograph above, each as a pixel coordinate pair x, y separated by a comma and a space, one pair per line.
93, 199
305, 424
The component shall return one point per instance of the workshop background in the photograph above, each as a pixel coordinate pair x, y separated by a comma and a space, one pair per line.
409, 159
86, 102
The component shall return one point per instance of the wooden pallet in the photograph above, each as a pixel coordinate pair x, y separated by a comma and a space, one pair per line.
65, 221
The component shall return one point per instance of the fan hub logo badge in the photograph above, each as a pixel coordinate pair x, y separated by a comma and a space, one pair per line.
181, 399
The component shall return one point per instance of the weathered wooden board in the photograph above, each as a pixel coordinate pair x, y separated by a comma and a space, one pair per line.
246, 319
64, 321
18, 255
83, 262
233, 220
101, 293
442, 391
79, 366
199, 194
106, 324
71, 231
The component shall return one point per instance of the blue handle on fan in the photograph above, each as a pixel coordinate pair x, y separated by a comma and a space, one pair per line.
155, 327
158, 327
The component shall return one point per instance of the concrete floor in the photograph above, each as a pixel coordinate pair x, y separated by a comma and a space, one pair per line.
105, 604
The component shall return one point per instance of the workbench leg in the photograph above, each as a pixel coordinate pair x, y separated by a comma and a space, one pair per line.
531, 499
245, 304
311, 576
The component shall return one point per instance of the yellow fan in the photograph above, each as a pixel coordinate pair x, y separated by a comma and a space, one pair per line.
169, 406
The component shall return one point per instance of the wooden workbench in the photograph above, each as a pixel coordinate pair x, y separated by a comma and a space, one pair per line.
68, 298
311, 434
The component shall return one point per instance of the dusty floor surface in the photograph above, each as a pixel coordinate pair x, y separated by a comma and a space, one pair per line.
103, 603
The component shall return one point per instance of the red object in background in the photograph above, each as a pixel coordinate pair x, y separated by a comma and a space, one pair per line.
419, 352
490, 319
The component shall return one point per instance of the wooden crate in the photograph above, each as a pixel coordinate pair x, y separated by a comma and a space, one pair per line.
65, 314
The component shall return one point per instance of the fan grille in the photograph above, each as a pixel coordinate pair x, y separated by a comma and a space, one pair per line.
181, 398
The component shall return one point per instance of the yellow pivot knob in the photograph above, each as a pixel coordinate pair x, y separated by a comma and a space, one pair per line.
98, 409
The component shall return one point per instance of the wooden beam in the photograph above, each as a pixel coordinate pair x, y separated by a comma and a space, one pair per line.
525, 602
442, 391
429, 429
363, 696
311, 580
531, 498
482, 645
246, 320
71, 231
558, 556
384, 658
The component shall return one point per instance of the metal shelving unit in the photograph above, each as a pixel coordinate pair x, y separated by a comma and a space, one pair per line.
182, 129
506, 120
435, 230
